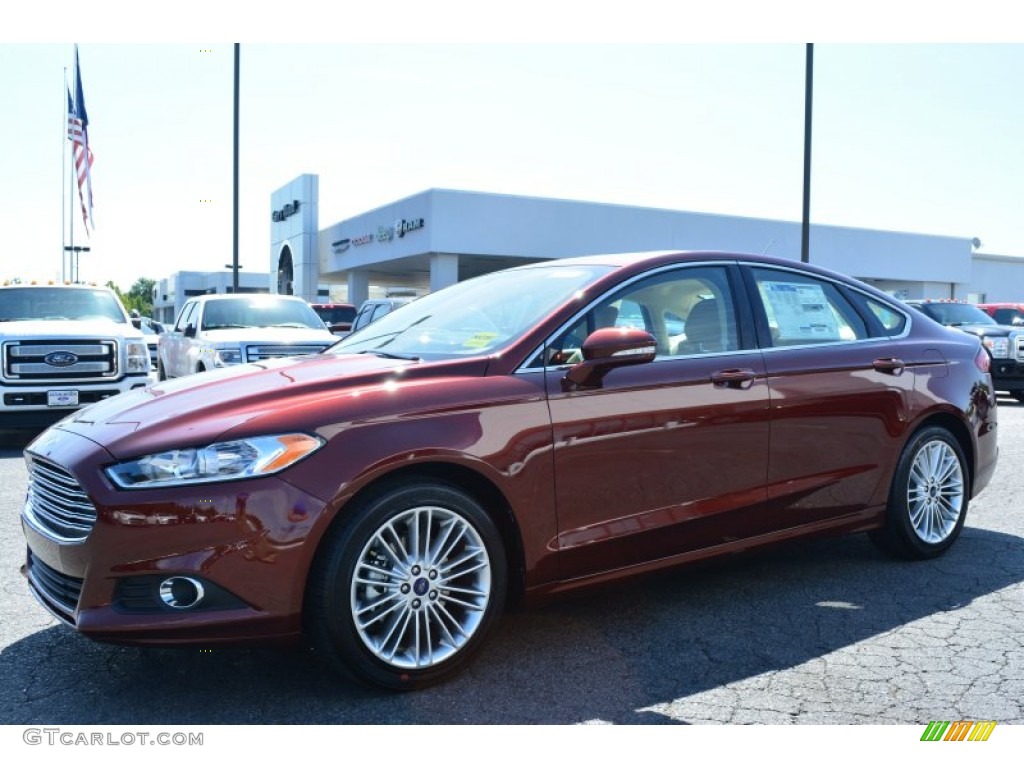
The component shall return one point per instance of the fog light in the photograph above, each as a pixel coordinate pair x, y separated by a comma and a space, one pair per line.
181, 592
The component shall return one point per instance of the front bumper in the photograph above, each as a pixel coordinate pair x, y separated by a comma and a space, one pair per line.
248, 545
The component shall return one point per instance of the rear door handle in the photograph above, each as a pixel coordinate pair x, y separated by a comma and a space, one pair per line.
734, 378
891, 365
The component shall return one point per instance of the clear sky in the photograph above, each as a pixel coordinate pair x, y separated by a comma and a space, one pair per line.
911, 132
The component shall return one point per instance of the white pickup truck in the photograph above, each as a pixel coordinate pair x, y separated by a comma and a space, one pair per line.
218, 330
62, 347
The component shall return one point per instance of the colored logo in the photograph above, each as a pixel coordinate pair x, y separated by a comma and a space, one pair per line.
61, 359
958, 730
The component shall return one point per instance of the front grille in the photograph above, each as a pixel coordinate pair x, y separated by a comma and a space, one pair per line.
60, 360
57, 591
269, 351
56, 505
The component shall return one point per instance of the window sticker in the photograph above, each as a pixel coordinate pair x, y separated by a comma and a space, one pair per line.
800, 311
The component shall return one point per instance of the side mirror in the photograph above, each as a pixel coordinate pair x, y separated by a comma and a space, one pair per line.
608, 348
137, 322
190, 331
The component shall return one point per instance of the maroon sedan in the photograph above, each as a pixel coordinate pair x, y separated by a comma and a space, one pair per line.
517, 435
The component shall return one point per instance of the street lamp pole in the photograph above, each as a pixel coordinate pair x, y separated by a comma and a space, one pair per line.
234, 260
805, 239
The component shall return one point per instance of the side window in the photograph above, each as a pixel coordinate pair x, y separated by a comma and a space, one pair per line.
185, 316
801, 310
688, 311
892, 322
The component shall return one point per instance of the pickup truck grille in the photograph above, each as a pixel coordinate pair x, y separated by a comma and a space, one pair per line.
255, 353
56, 505
60, 360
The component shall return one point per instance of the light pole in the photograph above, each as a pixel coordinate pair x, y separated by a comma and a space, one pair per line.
75, 250
234, 260
805, 238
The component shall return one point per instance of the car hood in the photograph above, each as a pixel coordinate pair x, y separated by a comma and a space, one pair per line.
268, 336
298, 394
992, 331
68, 329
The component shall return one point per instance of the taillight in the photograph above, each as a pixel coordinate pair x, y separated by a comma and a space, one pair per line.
983, 360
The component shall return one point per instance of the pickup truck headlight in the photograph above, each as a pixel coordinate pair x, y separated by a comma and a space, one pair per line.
229, 460
138, 357
222, 357
999, 347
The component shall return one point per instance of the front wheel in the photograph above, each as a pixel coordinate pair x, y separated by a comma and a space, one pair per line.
928, 499
402, 594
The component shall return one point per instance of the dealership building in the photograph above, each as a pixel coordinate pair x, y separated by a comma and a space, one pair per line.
440, 236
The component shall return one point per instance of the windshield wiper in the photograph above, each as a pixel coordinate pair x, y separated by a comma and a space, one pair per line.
390, 355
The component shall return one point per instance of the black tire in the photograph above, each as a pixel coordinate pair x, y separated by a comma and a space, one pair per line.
396, 562
928, 499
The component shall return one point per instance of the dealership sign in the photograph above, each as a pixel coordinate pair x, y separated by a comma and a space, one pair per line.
288, 210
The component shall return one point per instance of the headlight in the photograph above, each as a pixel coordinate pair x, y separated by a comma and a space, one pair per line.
223, 357
998, 347
138, 356
230, 460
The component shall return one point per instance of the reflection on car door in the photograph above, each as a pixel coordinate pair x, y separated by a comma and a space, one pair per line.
840, 391
670, 456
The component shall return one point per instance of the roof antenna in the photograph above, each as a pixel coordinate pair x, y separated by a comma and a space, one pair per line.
770, 244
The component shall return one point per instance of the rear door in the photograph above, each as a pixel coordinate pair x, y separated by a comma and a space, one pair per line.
841, 392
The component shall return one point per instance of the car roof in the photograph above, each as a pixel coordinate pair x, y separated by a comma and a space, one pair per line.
228, 296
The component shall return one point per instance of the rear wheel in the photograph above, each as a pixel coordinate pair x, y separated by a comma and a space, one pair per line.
402, 595
928, 499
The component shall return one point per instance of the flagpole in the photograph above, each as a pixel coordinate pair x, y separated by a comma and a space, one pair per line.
63, 178
71, 218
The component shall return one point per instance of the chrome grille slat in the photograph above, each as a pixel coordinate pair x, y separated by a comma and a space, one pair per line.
267, 351
39, 350
42, 369
56, 505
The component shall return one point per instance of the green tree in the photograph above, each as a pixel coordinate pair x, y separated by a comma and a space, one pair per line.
141, 296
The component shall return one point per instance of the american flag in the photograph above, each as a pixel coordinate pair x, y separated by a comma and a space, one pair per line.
78, 134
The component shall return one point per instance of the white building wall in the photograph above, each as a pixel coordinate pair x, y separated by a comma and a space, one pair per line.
998, 278
294, 226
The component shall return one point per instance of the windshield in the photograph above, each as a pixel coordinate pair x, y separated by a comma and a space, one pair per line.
956, 314
343, 314
259, 312
473, 317
53, 303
